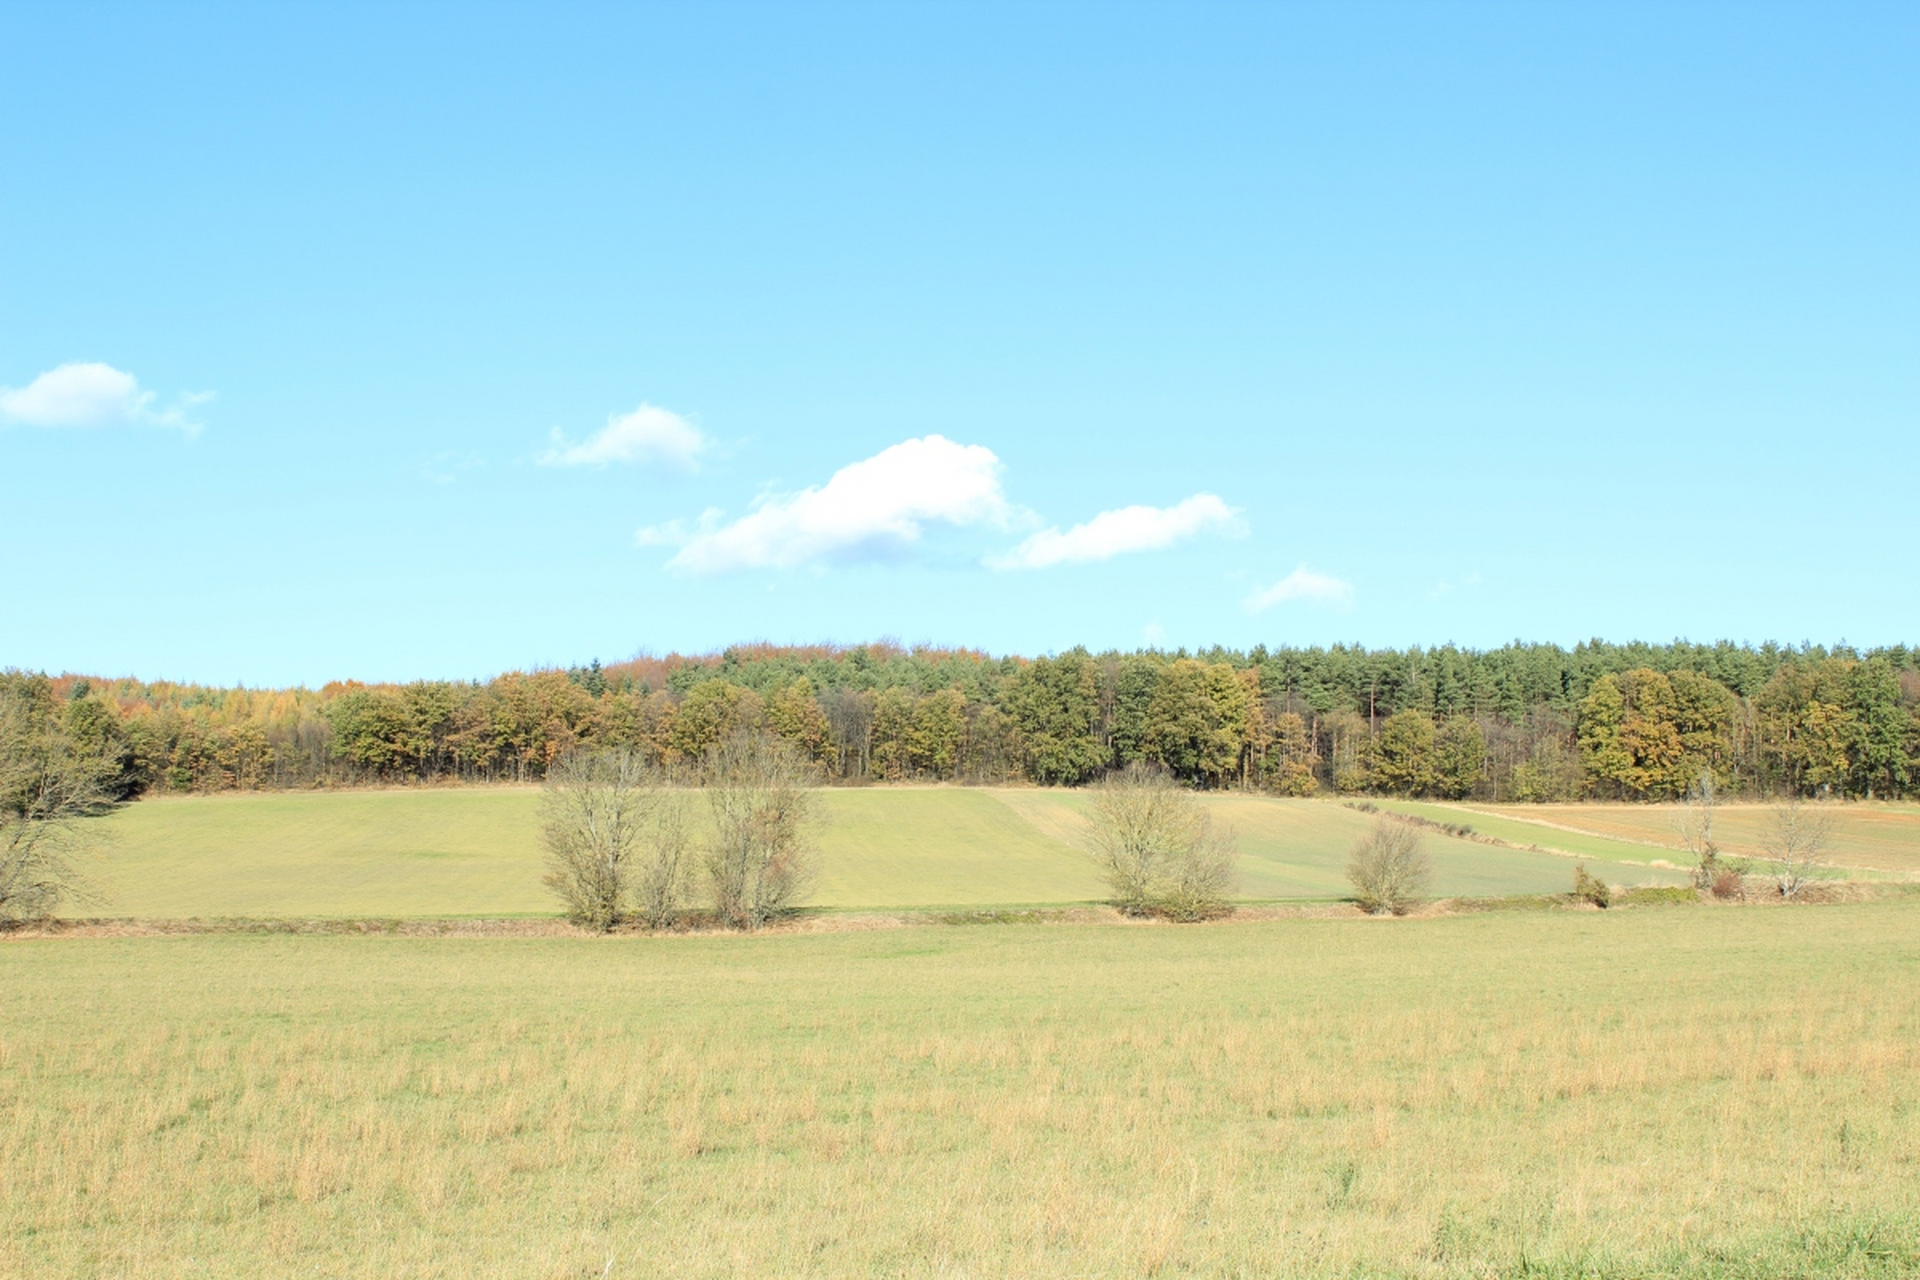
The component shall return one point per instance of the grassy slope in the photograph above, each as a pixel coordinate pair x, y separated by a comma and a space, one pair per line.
473, 851
1543, 826
1876, 836
1489, 1095
883, 847
365, 853
1298, 848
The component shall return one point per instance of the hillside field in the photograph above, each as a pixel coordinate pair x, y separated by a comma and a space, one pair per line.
1867, 836
474, 851
1869, 840
1652, 1092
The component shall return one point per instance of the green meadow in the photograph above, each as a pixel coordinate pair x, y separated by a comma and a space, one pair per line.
1876, 838
1540, 826
1867, 835
474, 851
1686, 1091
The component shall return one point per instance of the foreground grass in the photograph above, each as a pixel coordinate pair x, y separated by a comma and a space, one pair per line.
474, 851
1697, 1092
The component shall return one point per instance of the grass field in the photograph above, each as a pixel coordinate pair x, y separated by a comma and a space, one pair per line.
1532, 830
1870, 836
1690, 1091
474, 852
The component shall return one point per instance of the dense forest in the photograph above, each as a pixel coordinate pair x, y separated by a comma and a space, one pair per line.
1524, 722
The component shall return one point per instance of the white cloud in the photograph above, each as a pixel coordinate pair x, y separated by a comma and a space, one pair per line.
1113, 533
876, 506
85, 394
649, 434
1302, 584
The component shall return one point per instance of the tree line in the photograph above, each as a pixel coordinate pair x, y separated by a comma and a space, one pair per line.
1524, 722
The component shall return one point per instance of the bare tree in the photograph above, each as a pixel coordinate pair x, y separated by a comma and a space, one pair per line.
1387, 868
616, 835
1694, 823
1157, 846
1796, 838
46, 789
762, 796
660, 878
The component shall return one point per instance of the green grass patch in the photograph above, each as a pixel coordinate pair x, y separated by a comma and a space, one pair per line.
1869, 835
1525, 834
474, 852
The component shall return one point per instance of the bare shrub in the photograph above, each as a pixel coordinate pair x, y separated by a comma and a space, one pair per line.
1590, 888
1157, 847
1387, 869
1694, 823
47, 787
1729, 886
660, 877
616, 838
1795, 837
762, 794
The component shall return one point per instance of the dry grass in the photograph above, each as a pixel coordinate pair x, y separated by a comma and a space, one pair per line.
1677, 1092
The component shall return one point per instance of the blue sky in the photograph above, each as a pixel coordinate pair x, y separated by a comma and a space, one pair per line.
399, 341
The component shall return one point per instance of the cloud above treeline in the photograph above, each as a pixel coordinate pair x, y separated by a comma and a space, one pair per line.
85, 395
1127, 529
874, 508
649, 435
1302, 584
881, 507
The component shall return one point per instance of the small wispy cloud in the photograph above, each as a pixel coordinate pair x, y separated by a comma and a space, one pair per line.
447, 467
1125, 530
85, 395
678, 533
649, 435
1447, 586
1302, 584
874, 508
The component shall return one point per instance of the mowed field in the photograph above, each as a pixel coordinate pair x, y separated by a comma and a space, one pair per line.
1867, 836
1692, 1091
474, 851
1872, 837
